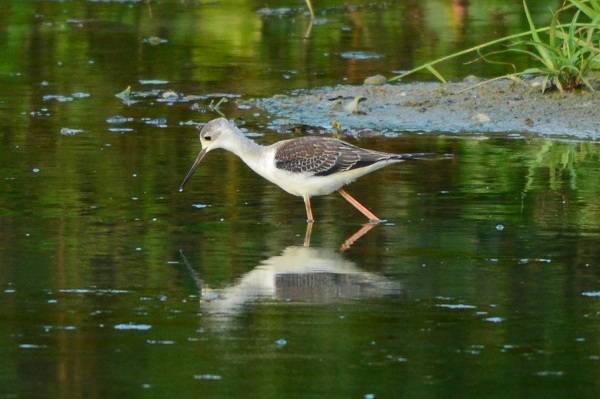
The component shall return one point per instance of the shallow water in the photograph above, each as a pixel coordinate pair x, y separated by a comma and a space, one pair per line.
482, 282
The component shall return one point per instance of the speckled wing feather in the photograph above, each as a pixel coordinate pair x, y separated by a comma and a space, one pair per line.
324, 156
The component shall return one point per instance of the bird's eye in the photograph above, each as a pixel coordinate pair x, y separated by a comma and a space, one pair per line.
207, 138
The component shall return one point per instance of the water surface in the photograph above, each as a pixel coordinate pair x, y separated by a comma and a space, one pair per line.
482, 282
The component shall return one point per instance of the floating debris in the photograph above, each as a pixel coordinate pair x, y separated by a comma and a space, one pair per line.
170, 95
160, 122
153, 82
65, 131
146, 94
215, 107
160, 342
60, 99
188, 123
456, 306
125, 96
495, 319
549, 373
81, 95
41, 112
219, 95
139, 327
92, 291
361, 55
207, 377
155, 40
191, 97
62, 328
525, 261
120, 130
31, 346
594, 294
118, 120
273, 12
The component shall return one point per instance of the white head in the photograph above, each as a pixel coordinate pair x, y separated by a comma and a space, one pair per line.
212, 136
213, 131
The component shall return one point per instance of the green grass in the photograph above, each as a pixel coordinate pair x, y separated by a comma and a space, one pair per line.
563, 54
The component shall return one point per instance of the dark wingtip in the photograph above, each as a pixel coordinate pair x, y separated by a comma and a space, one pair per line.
424, 155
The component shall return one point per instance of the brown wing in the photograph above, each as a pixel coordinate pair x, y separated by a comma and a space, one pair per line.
323, 156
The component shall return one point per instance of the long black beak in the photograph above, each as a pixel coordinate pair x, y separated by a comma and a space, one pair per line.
194, 166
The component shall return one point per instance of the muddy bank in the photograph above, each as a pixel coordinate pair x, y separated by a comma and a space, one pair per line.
499, 107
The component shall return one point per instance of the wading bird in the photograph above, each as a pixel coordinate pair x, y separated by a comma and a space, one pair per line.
305, 167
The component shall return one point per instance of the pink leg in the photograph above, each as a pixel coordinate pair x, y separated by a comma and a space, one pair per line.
309, 214
310, 9
359, 206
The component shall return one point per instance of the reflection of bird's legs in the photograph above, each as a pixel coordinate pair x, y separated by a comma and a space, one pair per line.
363, 230
197, 279
309, 227
312, 19
310, 9
359, 206
309, 29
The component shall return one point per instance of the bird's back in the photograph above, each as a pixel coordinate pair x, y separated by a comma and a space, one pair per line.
311, 166
322, 156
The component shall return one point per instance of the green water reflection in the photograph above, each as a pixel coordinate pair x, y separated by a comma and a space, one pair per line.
483, 282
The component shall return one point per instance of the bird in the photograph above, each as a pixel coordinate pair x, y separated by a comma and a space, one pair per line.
304, 166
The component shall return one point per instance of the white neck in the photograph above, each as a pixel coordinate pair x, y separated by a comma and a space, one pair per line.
248, 150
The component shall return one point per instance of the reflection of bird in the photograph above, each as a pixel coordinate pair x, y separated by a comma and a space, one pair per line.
306, 166
300, 274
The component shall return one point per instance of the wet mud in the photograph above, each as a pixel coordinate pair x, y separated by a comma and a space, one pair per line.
495, 107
